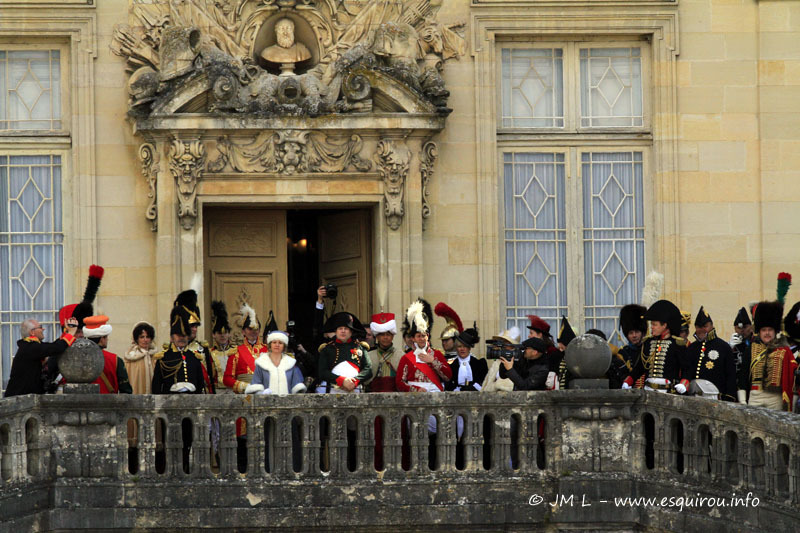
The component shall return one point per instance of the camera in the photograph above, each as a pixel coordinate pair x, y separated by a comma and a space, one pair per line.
498, 349
290, 332
331, 291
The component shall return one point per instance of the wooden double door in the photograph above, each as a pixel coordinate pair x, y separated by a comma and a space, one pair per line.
247, 259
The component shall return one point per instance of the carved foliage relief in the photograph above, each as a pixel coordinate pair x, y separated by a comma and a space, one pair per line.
179, 50
149, 158
186, 161
427, 161
392, 157
290, 152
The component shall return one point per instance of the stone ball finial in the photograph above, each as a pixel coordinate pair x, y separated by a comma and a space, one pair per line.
82, 362
588, 356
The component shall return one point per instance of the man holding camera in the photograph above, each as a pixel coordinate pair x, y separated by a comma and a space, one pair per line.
530, 371
26, 368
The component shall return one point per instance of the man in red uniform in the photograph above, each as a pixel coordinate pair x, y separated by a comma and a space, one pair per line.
114, 378
422, 369
239, 373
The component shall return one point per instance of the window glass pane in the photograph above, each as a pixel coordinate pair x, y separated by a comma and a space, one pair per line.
31, 255
613, 246
532, 88
30, 86
611, 87
535, 237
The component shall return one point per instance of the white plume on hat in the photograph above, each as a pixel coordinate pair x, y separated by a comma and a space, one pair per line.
653, 287
197, 283
250, 314
415, 316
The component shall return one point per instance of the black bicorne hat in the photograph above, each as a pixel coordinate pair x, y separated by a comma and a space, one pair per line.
565, 334
271, 325
742, 318
347, 320
702, 318
791, 323
179, 321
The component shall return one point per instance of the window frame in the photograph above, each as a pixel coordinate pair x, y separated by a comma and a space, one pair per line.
573, 190
44, 136
571, 83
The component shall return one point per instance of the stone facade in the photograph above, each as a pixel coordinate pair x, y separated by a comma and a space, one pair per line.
722, 146
67, 463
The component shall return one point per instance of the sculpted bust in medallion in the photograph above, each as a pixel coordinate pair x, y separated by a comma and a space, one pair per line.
286, 52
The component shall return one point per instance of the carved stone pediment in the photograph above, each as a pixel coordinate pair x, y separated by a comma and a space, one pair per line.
220, 56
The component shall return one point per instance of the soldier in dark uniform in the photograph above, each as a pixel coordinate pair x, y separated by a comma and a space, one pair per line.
659, 360
565, 335
188, 301
178, 369
634, 327
709, 357
343, 362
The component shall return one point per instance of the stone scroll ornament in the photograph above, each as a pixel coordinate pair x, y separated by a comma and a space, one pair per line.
149, 158
427, 160
223, 56
186, 161
290, 152
392, 158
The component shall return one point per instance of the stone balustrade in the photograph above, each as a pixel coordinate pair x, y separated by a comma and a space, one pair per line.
313, 461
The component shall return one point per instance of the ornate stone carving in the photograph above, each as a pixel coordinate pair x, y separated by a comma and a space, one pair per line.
179, 50
186, 161
290, 152
149, 158
393, 157
427, 160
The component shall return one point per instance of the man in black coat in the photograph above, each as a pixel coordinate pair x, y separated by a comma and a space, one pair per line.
530, 372
26, 368
708, 358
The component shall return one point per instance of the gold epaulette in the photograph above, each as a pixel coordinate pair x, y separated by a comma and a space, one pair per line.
158, 356
199, 356
165, 346
614, 349
364, 345
323, 345
680, 341
232, 350
204, 344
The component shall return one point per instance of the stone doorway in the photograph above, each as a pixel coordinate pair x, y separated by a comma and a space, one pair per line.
276, 258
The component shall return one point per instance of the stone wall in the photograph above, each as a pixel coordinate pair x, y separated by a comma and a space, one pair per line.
66, 463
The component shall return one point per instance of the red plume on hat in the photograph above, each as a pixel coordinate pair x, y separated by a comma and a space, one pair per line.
445, 311
84, 308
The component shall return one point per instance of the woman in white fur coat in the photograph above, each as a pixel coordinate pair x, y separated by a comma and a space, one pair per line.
276, 372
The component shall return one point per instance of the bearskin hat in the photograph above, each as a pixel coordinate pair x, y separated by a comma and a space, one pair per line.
631, 317
791, 323
768, 315
219, 318
419, 318
702, 318
565, 333
667, 312
454, 325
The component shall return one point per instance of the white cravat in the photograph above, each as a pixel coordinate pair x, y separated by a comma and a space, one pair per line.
464, 370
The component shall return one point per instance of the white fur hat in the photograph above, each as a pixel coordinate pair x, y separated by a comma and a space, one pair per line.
278, 336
